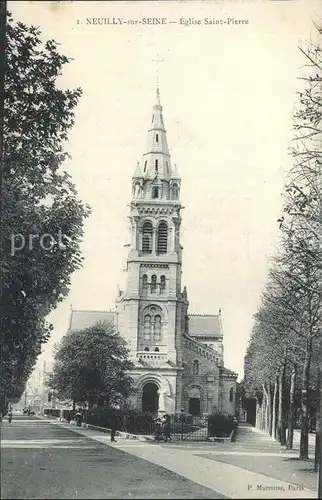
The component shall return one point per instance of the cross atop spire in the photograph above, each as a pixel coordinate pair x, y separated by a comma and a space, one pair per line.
158, 89
158, 93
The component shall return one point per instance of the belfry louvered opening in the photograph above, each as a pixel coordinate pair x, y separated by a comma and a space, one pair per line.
147, 237
162, 246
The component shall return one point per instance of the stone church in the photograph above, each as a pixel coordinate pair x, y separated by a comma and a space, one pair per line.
178, 356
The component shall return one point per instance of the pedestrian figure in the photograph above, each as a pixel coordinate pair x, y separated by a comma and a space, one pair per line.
166, 428
158, 429
78, 418
10, 416
113, 425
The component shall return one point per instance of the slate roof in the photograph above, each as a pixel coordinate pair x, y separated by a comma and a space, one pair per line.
200, 325
83, 319
205, 325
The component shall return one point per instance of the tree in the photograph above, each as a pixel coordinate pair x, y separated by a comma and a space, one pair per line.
284, 341
91, 366
290, 314
302, 220
42, 217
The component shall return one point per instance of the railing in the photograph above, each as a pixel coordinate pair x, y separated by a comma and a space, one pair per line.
181, 427
151, 358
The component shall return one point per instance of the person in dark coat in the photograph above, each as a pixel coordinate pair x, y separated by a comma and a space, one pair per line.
158, 429
113, 425
166, 428
79, 418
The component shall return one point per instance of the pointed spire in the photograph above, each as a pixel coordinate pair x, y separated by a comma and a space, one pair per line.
138, 172
175, 172
156, 161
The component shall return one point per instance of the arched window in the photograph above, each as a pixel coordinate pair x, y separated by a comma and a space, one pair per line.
195, 367
155, 192
151, 325
144, 284
147, 327
146, 349
231, 394
156, 349
147, 237
162, 283
157, 327
153, 283
162, 246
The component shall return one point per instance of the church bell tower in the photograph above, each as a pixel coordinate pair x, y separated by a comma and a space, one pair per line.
154, 308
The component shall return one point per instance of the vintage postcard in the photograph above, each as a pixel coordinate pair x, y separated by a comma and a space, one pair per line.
161, 270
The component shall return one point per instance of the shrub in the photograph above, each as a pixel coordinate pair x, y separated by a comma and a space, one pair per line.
220, 425
127, 420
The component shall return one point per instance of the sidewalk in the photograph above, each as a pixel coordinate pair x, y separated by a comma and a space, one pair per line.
231, 469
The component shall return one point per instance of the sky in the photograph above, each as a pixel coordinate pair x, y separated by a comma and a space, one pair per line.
228, 93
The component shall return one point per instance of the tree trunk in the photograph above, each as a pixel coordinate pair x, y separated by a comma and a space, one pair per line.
268, 410
318, 438
264, 412
74, 408
274, 410
269, 393
281, 428
291, 411
318, 429
304, 443
258, 414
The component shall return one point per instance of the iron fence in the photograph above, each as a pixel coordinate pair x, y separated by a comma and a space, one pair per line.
189, 428
180, 427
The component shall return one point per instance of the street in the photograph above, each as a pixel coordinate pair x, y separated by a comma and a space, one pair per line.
41, 460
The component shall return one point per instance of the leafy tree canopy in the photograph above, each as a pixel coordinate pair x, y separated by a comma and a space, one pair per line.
42, 217
91, 366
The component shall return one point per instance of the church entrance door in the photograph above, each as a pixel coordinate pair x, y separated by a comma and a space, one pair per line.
150, 398
194, 406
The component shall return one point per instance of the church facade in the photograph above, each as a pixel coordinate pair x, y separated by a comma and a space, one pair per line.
178, 357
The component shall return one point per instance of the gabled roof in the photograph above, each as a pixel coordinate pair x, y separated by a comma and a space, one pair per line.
205, 325
80, 320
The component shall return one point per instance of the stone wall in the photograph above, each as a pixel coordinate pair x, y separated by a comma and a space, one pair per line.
200, 376
228, 395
